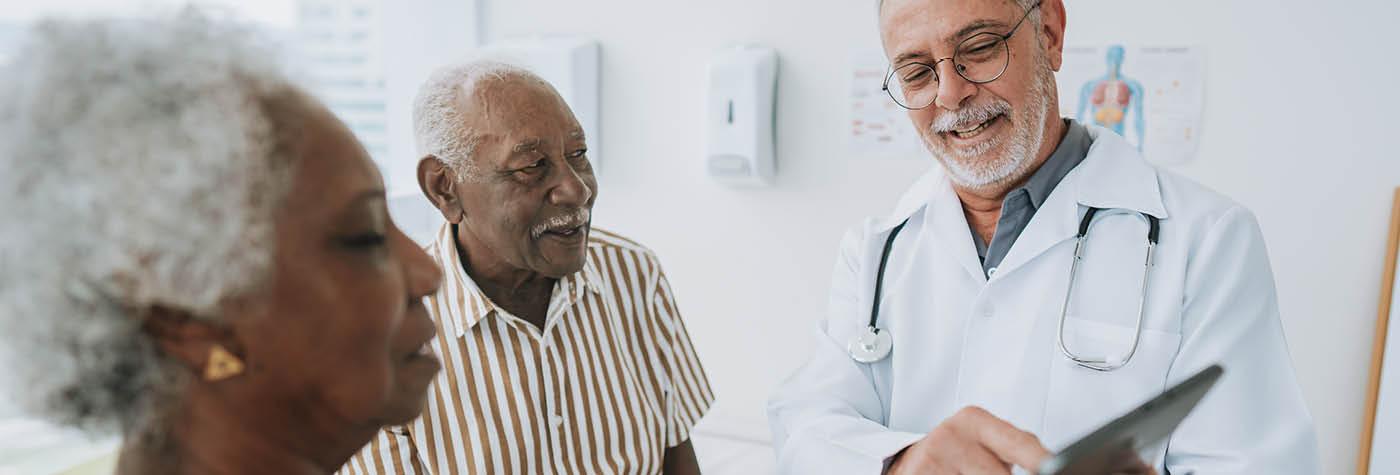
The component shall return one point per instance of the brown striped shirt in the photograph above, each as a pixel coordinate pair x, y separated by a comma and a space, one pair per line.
606, 387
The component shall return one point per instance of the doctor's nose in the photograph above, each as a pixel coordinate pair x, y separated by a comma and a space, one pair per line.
953, 90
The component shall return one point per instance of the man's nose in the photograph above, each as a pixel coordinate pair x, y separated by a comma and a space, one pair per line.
572, 190
953, 89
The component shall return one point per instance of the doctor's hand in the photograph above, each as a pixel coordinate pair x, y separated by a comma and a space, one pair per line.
973, 441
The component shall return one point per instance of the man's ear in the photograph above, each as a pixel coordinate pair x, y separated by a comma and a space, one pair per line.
1053, 31
187, 339
439, 183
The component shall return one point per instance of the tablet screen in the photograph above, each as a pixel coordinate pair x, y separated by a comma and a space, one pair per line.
1115, 446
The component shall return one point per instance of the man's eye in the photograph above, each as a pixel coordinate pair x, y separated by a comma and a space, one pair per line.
579, 153
980, 47
534, 169
979, 51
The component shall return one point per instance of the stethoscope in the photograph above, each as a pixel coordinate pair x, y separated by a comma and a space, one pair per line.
873, 344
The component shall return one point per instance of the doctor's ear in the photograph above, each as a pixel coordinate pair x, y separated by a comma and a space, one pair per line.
439, 184
1052, 31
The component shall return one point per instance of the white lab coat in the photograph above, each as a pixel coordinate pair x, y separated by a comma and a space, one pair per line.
961, 339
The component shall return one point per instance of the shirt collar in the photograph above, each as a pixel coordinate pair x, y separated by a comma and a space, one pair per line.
591, 279
475, 306
1072, 150
458, 288
1114, 175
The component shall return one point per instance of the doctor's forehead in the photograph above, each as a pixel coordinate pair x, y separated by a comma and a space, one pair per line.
913, 27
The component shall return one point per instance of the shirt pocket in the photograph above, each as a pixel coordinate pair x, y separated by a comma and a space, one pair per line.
1080, 399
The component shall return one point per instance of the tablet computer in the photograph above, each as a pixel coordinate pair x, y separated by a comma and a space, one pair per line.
1116, 445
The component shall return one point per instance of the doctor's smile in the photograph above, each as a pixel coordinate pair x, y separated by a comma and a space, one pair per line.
971, 125
973, 131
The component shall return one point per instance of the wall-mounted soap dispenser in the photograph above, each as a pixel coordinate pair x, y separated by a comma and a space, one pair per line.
741, 107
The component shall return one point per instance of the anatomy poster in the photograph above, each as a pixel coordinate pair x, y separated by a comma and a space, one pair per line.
1151, 95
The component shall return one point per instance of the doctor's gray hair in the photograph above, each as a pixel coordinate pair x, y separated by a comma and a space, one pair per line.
140, 165
1024, 4
439, 128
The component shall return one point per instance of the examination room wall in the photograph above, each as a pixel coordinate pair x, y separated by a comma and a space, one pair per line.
1298, 124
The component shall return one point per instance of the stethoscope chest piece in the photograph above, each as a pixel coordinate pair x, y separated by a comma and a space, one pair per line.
870, 345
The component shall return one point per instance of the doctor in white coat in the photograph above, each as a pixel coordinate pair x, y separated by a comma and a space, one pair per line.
975, 285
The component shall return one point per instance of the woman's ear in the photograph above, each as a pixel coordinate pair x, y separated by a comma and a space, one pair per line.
196, 344
438, 183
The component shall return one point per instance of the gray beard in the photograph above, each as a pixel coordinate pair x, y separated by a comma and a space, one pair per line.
975, 168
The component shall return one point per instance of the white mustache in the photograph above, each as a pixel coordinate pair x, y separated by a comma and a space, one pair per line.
969, 116
578, 218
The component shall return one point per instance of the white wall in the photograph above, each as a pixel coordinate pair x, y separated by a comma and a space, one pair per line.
415, 38
1295, 128
1299, 127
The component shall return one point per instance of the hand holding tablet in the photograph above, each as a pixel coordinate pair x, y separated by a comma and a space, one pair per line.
975, 441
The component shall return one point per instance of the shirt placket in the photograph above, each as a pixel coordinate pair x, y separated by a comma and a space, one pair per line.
555, 388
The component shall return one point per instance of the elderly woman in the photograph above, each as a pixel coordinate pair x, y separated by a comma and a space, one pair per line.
198, 256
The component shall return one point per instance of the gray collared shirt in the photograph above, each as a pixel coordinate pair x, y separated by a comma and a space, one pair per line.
1020, 204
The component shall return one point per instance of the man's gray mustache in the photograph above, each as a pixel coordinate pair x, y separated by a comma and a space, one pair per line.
575, 219
969, 116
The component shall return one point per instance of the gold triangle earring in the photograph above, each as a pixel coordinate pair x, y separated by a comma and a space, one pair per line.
221, 365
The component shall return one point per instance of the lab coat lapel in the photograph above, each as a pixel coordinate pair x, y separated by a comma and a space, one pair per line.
952, 234
1112, 176
945, 222
931, 205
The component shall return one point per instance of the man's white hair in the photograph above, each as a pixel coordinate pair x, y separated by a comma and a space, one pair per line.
139, 168
439, 127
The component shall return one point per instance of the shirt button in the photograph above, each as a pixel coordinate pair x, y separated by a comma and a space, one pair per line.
556, 420
992, 272
988, 310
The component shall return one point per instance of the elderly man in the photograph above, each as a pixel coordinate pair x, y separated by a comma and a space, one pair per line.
1004, 306
562, 347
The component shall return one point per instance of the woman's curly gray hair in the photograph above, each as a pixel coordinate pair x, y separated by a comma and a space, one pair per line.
140, 163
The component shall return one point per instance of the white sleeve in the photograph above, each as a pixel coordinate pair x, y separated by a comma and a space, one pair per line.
1255, 419
824, 416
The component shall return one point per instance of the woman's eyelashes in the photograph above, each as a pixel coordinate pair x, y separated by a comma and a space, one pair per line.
364, 241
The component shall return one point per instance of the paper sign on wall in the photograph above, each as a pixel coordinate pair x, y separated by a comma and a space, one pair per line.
878, 127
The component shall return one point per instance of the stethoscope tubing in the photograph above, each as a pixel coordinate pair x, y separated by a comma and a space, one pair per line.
1097, 364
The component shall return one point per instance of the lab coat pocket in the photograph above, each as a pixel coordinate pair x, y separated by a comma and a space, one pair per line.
1081, 399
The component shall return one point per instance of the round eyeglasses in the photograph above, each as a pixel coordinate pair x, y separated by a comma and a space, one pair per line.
980, 59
